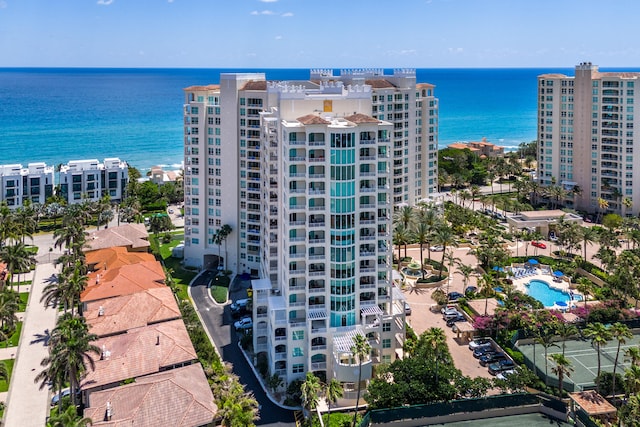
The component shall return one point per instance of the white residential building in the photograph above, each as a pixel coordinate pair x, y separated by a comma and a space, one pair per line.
587, 138
303, 174
18, 184
91, 180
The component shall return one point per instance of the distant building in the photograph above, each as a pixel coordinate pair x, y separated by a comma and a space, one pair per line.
160, 176
588, 138
481, 148
34, 183
91, 180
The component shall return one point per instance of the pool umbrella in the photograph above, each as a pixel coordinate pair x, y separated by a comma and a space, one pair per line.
496, 268
561, 303
532, 262
558, 273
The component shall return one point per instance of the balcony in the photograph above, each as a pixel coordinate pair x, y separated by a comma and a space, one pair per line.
370, 141
316, 159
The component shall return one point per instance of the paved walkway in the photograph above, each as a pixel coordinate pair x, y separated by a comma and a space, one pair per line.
27, 405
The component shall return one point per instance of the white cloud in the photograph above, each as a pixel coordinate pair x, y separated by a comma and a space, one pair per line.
105, 2
262, 12
287, 14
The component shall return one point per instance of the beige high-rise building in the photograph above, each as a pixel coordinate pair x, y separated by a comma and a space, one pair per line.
586, 140
306, 174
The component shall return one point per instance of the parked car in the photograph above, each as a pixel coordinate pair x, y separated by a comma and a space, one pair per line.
243, 324
454, 320
436, 248
455, 296
448, 310
451, 315
407, 309
481, 351
470, 290
538, 245
504, 374
56, 397
501, 366
239, 306
479, 342
487, 359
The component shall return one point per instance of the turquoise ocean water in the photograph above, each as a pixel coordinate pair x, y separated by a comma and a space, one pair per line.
55, 114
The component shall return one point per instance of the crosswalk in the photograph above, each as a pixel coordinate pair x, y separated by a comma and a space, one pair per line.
299, 417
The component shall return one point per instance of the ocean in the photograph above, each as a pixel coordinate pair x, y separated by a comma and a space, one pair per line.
54, 115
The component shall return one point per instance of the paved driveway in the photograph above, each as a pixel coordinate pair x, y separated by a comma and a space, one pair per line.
217, 320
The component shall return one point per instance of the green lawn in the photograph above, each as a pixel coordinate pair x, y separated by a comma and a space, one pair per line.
4, 385
220, 294
181, 276
24, 298
14, 338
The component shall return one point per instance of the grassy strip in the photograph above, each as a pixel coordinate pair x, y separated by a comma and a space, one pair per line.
4, 385
24, 298
14, 338
220, 294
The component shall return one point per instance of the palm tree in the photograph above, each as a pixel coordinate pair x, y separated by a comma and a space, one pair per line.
564, 331
18, 259
603, 205
68, 418
589, 236
444, 237
627, 202
422, 235
621, 333
310, 390
546, 340
563, 367
235, 406
465, 271
333, 392
600, 336
70, 349
629, 413
361, 348
632, 379
401, 237
632, 354
486, 285
9, 306
435, 339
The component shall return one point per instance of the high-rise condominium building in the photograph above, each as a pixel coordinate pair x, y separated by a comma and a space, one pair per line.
31, 184
586, 140
306, 174
90, 180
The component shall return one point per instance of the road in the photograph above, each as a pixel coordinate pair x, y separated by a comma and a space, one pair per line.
217, 320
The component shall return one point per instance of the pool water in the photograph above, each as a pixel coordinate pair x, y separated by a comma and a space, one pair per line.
547, 295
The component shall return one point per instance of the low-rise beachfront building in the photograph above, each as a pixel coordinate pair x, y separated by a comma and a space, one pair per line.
481, 148
19, 184
540, 221
90, 180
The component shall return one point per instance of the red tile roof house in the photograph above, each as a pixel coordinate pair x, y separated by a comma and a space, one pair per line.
116, 315
137, 353
180, 397
134, 237
102, 259
124, 280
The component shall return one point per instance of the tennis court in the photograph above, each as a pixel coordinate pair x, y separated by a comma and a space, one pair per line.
529, 420
584, 360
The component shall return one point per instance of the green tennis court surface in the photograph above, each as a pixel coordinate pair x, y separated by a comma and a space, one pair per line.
583, 357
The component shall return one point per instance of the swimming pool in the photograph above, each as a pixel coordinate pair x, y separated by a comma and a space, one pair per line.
540, 290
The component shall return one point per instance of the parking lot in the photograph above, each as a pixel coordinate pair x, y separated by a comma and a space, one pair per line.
422, 318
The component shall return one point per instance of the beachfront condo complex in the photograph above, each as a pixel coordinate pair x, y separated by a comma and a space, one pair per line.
586, 140
306, 174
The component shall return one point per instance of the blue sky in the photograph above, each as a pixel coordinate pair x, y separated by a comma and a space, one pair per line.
326, 33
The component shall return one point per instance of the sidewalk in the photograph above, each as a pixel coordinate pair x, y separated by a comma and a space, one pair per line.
26, 404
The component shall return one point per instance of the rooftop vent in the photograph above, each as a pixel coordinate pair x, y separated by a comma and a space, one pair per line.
101, 311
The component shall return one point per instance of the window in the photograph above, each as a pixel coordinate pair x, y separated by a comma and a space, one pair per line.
386, 327
298, 335
298, 368
297, 352
386, 343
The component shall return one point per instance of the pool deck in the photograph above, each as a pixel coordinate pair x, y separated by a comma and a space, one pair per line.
544, 274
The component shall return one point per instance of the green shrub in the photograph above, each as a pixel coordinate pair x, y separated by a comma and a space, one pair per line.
517, 356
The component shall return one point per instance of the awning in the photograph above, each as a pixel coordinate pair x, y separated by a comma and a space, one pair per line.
532, 262
558, 273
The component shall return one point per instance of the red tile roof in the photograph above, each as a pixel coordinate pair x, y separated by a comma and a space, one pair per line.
124, 280
312, 119
179, 397
115, 257
139, 352
131, 311
361, 118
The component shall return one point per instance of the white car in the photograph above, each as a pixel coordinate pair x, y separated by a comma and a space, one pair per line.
436, 248
243, 324
504, 374
479, 342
